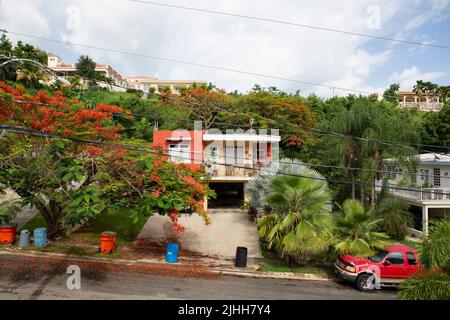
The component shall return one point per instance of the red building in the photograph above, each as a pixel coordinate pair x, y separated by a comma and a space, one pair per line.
231, 159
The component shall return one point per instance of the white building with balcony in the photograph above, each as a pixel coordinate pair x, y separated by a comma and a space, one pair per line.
425, 102
427, 190
149, 84
56, 64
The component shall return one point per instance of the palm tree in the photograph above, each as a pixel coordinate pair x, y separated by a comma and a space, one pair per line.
258, 189
435, 250
351, 124
434, 284
395, 217
419, 87
385, 126
300, 223
356, 231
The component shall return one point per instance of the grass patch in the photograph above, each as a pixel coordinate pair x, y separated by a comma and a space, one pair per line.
119, 221
277, 267
36, 222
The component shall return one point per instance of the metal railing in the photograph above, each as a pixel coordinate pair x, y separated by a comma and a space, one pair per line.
435, 194
425, 106
422, 194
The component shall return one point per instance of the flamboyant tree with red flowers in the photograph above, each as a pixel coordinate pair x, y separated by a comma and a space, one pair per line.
69, 180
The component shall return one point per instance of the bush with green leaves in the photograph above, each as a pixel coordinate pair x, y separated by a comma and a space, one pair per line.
355, 231
299, 224
8, 209
395, 217
434, 283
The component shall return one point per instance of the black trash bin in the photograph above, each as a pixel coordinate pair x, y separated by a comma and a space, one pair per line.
241, 257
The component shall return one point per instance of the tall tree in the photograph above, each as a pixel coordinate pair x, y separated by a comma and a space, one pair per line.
201, 104
391, 94
6, 46
436, 128
85, 67
28, 72
72, 181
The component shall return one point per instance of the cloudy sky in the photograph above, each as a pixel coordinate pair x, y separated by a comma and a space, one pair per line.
284, 51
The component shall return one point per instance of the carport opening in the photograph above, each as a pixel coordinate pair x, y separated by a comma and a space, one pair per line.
228, 195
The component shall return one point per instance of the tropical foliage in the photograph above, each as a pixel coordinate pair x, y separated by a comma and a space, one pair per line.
395, 217
8, 210
434, 283
299, 224
356, 231
70, 181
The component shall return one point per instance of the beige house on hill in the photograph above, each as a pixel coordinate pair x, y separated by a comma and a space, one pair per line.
147, 84
425, 102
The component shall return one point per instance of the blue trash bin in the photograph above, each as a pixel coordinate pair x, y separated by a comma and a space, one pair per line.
24, 239
40, 238
172, 252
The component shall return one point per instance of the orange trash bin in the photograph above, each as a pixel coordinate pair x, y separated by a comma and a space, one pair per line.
108, 241
8, 233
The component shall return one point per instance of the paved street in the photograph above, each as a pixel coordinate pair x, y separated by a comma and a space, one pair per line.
117, 285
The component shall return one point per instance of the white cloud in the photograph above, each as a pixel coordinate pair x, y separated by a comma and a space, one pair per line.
435, 13
255, 46
24, 16
408, 77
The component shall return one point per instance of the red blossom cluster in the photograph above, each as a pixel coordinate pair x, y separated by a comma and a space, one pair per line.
197, 186
57, 114
176, 227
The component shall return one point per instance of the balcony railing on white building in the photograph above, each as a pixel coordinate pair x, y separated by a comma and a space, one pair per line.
424, 106
422, 194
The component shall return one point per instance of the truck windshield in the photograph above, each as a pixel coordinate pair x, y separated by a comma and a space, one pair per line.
379, 256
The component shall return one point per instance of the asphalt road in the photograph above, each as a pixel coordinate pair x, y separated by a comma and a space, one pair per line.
120, 285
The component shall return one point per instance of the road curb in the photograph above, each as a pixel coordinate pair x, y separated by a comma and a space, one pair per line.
271, 275
218, 270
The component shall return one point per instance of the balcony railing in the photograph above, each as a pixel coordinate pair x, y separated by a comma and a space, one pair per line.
435, 194
242, 170
425, 106
422, 194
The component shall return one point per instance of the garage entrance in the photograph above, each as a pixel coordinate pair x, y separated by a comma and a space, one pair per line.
228, 195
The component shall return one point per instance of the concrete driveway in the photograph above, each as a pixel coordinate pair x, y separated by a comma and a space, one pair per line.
229, 229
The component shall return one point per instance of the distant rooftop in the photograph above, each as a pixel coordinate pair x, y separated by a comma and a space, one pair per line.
430, 158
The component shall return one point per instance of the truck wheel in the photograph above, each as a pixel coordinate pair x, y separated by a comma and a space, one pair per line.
365, 282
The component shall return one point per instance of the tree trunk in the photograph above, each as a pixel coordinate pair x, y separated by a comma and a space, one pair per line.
373, 196
52, 218
361, 187
352, 173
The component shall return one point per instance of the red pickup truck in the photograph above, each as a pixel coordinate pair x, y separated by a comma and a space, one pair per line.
386, 268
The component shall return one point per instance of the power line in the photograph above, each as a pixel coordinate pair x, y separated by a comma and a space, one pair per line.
425, 44
150, 150
309, 83
309, 164
319, 131
256, 74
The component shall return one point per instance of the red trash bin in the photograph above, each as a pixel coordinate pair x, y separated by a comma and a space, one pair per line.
108, 241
